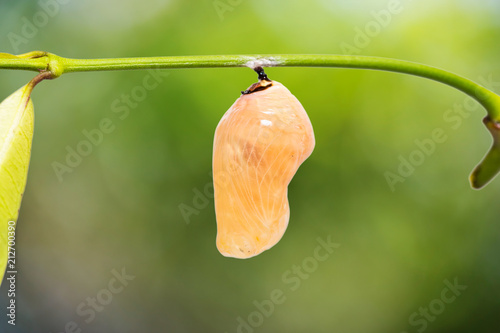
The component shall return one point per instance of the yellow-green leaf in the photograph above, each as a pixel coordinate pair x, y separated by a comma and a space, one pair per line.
16, 133
490, 165
7, 56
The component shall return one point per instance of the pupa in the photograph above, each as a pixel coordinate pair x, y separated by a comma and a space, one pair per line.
259, 144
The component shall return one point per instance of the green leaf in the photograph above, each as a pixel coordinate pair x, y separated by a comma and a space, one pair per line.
16, 133
7, 56
490, 165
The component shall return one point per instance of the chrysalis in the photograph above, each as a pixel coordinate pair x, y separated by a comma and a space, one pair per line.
259, 144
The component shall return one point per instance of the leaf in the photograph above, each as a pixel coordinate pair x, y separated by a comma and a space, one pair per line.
16, 133
7, 56
490, 165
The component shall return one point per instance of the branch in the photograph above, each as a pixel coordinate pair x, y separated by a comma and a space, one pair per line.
56, 66
41, 61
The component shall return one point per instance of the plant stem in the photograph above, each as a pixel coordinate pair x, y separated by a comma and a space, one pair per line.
57, 65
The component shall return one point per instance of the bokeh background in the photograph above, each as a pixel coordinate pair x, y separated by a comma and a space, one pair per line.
119, 207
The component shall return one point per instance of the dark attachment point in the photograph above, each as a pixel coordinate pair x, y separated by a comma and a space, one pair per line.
262, 74
263, 84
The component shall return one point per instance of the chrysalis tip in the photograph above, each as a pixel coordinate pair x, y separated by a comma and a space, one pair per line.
263, 84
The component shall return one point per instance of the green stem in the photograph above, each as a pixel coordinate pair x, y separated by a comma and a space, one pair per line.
58, 66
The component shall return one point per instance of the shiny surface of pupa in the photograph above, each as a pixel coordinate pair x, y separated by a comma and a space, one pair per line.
259, 144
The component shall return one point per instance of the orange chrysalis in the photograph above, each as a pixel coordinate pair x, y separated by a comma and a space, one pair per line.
259, 144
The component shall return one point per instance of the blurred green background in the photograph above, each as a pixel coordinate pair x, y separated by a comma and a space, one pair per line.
119, 207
